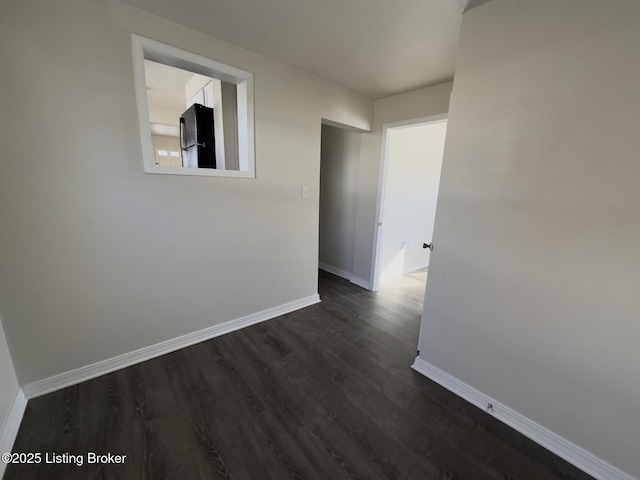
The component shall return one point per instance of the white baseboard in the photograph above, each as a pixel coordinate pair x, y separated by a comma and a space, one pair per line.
66, 379
336, 271
572, 453
360, 282
11, 426
346, 275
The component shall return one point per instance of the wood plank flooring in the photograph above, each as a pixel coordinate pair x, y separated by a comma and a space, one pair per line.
322, 393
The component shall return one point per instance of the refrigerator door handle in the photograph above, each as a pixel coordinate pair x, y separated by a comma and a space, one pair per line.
181, 137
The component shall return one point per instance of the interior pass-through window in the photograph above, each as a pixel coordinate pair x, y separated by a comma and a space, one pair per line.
195, 114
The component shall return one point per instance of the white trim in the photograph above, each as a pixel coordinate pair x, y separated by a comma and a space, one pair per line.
336, 271
382, 183
12, 425
342, 126
360, 282
344, 274
377, 230
562, 447
66, 379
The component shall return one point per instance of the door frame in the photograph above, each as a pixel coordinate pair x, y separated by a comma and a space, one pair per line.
378, 232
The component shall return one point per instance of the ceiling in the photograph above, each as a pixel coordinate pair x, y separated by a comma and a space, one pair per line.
166, 85
376, 47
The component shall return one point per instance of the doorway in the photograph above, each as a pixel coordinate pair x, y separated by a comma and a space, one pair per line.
339, 169
411, 162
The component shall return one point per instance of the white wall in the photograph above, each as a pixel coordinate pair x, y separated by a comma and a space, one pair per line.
414, 161
230, 119
533, 292
195, 84
12, 401
164, 141
87, 272
8, 382
340, 160
421, 103
165, 115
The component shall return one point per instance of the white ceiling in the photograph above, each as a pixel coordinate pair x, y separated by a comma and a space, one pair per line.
376, 47
166, 85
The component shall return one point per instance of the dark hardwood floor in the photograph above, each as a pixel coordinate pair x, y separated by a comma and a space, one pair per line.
322, 393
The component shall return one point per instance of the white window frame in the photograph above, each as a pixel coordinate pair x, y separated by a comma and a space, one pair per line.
144, 48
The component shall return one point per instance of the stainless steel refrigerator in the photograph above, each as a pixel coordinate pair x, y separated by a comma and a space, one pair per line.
197, 141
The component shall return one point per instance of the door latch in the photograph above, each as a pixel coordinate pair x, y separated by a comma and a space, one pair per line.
428, 245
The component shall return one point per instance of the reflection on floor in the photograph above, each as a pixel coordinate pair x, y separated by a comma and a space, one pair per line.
409, 286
